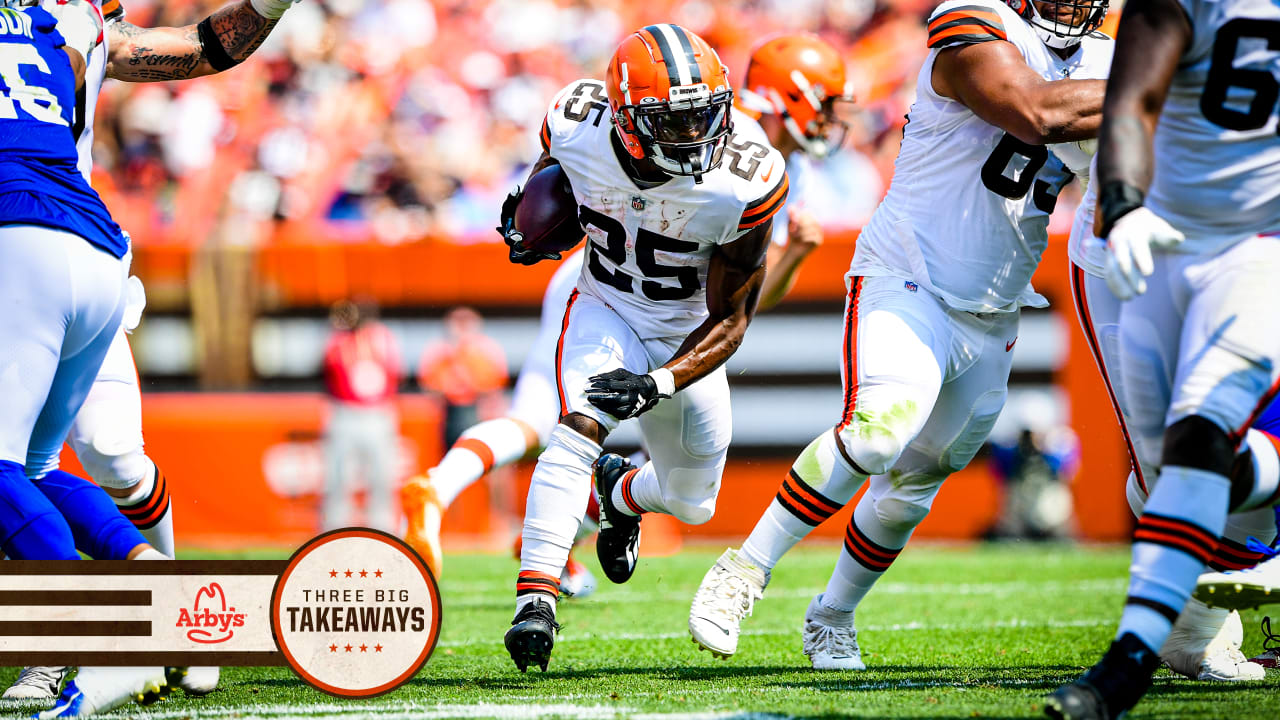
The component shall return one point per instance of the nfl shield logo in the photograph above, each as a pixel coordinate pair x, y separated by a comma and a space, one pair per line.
637, 203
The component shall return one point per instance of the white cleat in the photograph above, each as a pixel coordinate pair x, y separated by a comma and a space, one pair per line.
727, 594
1241, 589
830, 640
99, 689
36, 683
1205, 645
199, 680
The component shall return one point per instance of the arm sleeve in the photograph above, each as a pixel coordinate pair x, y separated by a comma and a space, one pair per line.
956, 25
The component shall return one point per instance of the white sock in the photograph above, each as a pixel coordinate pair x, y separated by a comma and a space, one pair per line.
1176, 536
819, 484
558, 496
482, 448
869, 549
637, 484
150, 509
151, 554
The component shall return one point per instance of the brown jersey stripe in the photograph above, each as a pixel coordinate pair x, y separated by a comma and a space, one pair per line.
766, 199
969, 33
961, 16
545, 135
564, 328
754, 218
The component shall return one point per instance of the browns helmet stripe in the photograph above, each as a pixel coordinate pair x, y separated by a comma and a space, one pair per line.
677, 73
695, 71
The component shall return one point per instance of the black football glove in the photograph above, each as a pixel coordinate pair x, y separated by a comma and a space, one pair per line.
622, 393
514, 239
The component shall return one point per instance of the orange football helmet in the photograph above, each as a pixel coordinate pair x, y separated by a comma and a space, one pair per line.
671, 99
799, 78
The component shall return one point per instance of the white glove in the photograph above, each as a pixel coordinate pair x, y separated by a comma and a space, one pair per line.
1129, 248
1077, 156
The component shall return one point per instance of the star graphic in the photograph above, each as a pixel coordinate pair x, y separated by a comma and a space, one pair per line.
364, 573
333, 648
364, 648
348, 648
333, 573
377, 573
348, 573
377, 648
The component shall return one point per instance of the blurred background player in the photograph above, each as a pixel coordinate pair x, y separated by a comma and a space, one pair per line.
467, 368
107, 436
795, 88
936, 286
362, 371
638, 330
1191, 216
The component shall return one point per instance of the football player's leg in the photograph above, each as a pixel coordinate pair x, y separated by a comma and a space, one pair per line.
59, 297
107, 439
1226, 351
593, 339
381, 447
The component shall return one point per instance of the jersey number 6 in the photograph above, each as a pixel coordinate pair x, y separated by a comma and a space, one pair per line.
647, 242
1224, 75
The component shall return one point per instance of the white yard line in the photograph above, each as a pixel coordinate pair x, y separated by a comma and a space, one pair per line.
416, 711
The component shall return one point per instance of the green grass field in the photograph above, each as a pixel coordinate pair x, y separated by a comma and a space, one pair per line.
951, 632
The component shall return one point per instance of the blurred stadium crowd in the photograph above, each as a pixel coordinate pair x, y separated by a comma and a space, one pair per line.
403, 119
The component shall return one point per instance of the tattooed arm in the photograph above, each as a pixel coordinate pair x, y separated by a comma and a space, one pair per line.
169, 53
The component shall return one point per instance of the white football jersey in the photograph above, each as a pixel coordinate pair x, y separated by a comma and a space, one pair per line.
967, 213
648, 249
95, 72
1217, 154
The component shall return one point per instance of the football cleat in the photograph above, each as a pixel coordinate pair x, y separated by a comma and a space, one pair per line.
1205, 645
425, 512
726, 596
99, 689
199, 680
618, 543
532, 635
830, 640
36, 683
1269, 658
1241, 589
1107, 690
576, 581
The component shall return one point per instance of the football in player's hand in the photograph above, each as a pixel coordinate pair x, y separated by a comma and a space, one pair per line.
548, 213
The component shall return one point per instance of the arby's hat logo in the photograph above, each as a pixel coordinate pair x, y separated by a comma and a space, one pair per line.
209, 618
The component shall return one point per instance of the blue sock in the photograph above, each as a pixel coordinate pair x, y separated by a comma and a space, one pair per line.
31, 528
96, 523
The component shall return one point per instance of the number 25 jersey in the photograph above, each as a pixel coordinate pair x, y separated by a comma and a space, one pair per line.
967, 212
648, 249
1217, 147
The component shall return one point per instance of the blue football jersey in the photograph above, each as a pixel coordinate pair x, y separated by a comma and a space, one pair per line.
39, 180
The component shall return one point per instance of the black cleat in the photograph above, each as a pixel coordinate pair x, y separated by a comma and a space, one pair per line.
617, 545
1077, 701
1110, 688
532, 635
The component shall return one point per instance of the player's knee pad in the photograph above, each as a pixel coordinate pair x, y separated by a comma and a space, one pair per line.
31, 528
690, 493
872, 446
1197, 442
114, 459
899, 514
96, 523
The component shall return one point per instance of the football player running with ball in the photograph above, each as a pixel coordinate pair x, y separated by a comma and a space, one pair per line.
678, 213
1191, 216
794, 86
935, 287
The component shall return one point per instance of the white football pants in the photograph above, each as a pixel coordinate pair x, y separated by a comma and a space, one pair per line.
61, 300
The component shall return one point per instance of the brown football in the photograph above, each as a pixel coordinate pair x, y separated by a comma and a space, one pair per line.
548, 212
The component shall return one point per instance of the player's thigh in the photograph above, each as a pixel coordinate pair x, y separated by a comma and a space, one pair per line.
969, 403
35, 306
593, 339
1229, 354
98, 288
895, 349
1150, 329
106, 434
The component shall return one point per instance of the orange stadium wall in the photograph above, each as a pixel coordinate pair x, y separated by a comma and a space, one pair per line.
245, 469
